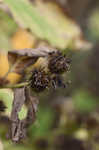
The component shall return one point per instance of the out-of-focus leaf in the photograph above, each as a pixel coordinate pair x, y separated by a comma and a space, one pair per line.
7, 28
4, 64
8, 145
46, 20
7, 23
81, 134
84, 102
93, 26
44, 123
4, 41
23, 39
4, 68
1, 145
6, 95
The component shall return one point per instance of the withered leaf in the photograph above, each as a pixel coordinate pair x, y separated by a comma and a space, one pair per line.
19, 99
23, 64
18, 127
38, 52
33, 105
26, 57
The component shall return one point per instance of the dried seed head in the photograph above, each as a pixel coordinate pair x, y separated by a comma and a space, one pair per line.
58, 63
39, 80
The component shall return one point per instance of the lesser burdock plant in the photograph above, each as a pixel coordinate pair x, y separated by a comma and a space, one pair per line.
44, 75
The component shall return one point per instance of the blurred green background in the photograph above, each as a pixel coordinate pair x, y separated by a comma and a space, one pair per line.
67, 119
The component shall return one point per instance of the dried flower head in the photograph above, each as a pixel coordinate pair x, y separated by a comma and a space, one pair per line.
39, 80
58, 63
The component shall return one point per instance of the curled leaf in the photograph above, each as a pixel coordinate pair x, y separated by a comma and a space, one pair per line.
38, 52
24, 58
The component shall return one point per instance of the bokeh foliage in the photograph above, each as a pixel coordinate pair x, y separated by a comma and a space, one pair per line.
71, 112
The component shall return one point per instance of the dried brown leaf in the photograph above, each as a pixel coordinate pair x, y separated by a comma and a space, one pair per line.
33, 105
26, 57
19, 99
39, 52
19, 127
